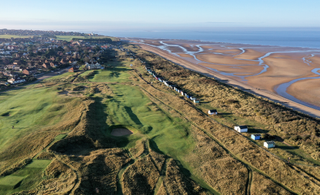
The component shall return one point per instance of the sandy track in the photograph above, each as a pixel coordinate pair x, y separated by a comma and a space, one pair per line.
264, 93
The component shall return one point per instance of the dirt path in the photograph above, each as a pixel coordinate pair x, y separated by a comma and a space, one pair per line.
263, 93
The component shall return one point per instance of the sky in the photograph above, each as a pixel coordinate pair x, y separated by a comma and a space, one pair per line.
164, 15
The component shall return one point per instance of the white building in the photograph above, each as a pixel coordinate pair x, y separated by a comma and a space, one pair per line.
269, 144
241, 128
16, 81
212, 112
94, 66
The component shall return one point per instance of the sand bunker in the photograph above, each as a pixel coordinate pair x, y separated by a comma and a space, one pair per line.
121, 132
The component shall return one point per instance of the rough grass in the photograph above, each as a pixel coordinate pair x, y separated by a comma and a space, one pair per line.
141, 177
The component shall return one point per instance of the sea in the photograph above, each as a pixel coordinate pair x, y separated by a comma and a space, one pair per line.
295, 37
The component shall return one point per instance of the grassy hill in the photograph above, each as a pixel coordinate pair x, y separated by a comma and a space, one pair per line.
58, 136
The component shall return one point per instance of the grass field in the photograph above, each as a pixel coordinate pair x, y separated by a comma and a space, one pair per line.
13, 36
10, 182
69, 38
38, 164
111, 75
20, 114
130, 107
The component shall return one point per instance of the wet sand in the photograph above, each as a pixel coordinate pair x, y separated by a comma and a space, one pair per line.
258, 68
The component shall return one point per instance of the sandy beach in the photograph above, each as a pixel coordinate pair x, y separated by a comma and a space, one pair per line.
258, 69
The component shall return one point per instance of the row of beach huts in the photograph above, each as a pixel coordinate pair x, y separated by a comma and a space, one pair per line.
175, 88
240, 129
244, 129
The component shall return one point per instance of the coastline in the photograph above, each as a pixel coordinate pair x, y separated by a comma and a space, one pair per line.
251, 86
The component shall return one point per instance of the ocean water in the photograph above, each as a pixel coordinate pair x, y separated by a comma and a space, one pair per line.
309, 38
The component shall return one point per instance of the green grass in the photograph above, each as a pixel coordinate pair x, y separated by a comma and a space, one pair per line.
27, 110
30, 176
64, 75
60, 137
10, 181
111, 75
130, 107
69, 38
25, 178
14, 36
39, 164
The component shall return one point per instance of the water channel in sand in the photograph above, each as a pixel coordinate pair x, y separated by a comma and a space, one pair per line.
280, 89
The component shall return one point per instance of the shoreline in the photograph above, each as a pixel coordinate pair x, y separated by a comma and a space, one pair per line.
221, 42
233, 82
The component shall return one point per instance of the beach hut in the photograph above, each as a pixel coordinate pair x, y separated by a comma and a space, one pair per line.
269, 144
197, 102
212, 112
241, 128
182, 93
255, 136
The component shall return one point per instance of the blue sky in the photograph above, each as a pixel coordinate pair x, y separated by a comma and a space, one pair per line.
146, 15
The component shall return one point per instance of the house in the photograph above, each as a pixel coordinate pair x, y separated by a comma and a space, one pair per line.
46, 65
9, 67
16, 81
241, 128
17, 68
269, 144
95, 65
255, 136
7, 73
29, 71
211, 112
73, 69
53, 65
